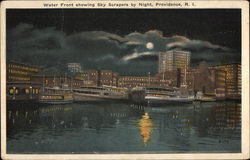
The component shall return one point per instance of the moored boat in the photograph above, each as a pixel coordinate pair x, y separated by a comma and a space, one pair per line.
56, 95
104, 93
166, 96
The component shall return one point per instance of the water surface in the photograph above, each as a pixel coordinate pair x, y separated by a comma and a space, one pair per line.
124, 128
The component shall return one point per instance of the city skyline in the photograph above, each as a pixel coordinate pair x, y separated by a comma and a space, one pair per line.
95, 79
129, 45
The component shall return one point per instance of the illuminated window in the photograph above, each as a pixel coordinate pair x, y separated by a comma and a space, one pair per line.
11, 91
27, 91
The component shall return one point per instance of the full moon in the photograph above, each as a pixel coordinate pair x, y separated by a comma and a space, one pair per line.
150, 45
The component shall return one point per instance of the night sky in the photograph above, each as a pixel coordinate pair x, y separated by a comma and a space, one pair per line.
117, 39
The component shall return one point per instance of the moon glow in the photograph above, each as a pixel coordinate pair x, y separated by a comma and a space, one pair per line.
149, 45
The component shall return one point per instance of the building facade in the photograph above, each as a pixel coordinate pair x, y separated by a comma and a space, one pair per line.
233, 79
100, 77
138, 81
204, 79
20, 72
60, 81
172, 60
19, 83
168, 78
74, 67
220, 84
91, 77
106, 77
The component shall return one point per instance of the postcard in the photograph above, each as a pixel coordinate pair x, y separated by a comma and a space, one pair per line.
125, 80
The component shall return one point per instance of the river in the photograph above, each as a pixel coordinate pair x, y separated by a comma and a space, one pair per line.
212, 127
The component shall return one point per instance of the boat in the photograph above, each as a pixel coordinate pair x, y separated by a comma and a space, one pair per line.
55, 95
169, 95
100, 93
137, 95
166, 96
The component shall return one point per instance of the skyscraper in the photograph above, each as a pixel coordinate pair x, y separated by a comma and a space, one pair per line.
172, 60
233, 79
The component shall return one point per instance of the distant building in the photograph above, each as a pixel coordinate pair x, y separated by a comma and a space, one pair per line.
60, 81
91, 77
172, 60
168, 78
222, 81
137, 81
74, 67
164, 79
100, 77
206, 79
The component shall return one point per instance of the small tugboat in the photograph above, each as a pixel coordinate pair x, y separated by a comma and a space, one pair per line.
56, 95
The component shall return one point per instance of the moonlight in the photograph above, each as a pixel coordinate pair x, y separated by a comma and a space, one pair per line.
149, 45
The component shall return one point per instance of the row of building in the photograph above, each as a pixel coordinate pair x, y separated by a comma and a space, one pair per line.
220, 80
173, 71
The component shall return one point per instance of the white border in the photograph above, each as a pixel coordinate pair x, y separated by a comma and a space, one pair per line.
244, 5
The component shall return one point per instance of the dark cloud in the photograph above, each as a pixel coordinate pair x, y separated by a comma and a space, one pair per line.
129, 54
200, 50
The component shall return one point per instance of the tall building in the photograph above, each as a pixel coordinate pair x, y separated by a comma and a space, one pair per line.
204, 79
74, 67
233, 79
173, 60
220, 84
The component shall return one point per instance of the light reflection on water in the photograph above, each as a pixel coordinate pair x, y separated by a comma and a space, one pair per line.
122, 127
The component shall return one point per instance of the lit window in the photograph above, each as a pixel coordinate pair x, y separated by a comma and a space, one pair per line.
27, 91
11, 91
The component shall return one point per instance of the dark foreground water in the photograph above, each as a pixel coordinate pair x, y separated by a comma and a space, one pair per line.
121, 127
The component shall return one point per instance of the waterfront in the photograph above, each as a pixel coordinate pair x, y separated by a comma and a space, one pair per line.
124, 128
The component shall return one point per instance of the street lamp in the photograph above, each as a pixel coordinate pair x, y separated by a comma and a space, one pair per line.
149, 79
30, 92
14, 92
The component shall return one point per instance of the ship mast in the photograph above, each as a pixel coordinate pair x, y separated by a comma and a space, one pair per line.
43, 83
185, 77
54, 80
